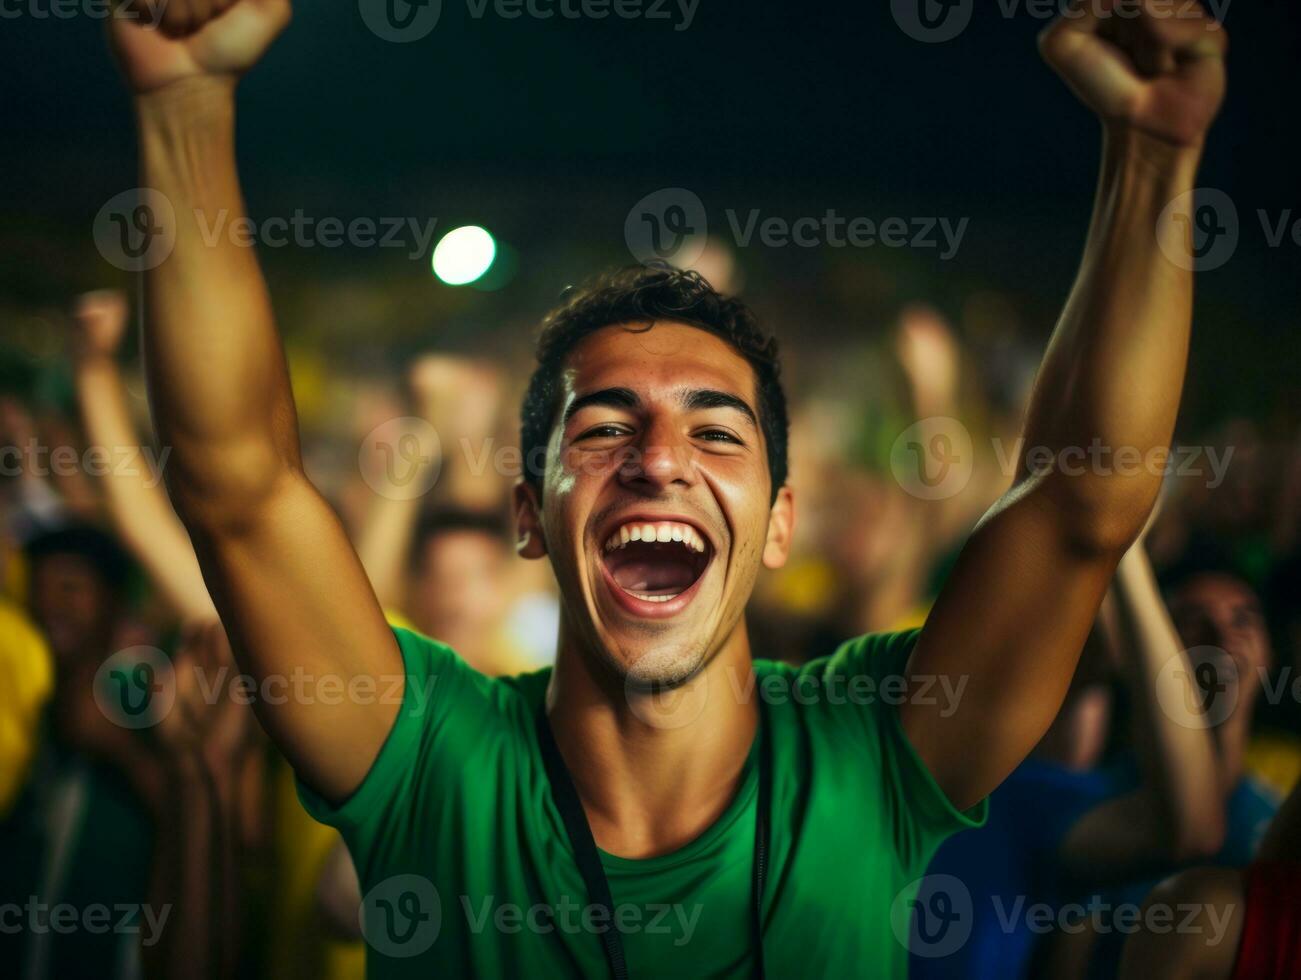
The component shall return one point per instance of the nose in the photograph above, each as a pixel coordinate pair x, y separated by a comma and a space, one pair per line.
662, 458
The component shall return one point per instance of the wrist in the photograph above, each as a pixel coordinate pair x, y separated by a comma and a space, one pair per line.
1148, 159
196, 102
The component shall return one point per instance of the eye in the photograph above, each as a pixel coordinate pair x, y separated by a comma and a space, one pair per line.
718, 435
605, 431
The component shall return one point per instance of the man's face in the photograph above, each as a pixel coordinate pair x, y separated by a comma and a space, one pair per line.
656, 506
1215, 610
456, 593
72, 605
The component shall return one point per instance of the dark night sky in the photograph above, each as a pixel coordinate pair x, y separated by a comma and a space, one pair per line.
801, 106
791, 93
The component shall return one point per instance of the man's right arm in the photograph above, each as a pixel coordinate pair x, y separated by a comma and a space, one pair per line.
284, 577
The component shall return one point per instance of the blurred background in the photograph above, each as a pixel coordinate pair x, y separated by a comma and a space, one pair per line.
549, 135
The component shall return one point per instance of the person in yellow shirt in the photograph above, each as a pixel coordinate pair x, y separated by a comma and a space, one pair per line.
26, 681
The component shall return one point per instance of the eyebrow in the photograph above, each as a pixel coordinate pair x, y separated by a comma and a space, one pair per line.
694, 400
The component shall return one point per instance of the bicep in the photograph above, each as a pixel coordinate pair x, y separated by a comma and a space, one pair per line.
305, 624
1006, 630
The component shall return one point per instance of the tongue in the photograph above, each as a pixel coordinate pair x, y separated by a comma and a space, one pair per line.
655, 576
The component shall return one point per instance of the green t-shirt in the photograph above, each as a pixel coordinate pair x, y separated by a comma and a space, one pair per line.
467, 870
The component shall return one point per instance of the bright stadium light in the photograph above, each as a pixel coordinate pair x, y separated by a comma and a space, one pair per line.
464, 255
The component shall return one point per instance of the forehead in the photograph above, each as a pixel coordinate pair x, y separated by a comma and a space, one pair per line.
1214, 590
661, 358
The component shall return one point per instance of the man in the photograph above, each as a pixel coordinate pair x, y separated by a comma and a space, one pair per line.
78, 834
1257, 908
773, 832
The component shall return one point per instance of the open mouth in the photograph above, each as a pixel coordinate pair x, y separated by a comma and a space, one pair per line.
655, 563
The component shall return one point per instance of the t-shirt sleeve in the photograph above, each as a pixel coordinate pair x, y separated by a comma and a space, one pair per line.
922, 816
446, 708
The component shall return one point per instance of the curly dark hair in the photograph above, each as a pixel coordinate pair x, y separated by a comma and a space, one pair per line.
642, 294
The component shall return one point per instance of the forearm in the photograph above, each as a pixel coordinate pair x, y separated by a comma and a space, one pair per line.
137, 503
1180, 766
1108, 391
217, 374
184, 841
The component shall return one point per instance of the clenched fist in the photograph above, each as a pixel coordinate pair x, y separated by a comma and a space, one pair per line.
161, 42
1155, 66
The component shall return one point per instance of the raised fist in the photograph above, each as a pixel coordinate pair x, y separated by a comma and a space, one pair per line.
101, 323
161, 42
1154, 66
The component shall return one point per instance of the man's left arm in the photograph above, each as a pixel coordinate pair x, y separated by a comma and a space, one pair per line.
1011, 620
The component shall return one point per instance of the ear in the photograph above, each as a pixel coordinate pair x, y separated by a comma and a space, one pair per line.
528, 522
781, 526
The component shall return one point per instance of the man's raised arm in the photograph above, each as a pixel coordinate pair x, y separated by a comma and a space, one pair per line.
1014, 613
281, 571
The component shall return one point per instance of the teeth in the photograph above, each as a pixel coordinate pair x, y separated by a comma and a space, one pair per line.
654, 598
663, 532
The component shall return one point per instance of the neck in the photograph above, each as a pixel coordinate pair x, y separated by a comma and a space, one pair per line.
653, 771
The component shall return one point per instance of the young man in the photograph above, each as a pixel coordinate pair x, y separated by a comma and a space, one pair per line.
570, 822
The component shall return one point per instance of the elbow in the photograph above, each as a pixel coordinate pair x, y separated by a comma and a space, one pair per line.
1101, 516
219, 490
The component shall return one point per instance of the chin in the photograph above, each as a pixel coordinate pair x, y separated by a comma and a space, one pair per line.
662, 666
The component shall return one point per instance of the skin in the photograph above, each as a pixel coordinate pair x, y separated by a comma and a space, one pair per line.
73, 607
656, 457
1011, 620
1218, 610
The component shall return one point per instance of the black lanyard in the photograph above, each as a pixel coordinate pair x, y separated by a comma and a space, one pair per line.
589, 861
